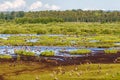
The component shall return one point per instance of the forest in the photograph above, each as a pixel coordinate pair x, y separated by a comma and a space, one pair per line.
66, 16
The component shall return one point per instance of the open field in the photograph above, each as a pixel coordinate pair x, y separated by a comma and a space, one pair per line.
40, 71
86, 35
73, 34
43, 40
70, 28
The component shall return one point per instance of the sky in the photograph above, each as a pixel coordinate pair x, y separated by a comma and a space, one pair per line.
38, 5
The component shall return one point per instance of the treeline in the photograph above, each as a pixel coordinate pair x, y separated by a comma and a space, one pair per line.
38, 20
79, 15
11, 15
67, 16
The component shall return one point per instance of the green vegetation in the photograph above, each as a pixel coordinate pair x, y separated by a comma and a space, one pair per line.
78, 28
47, 53
111, 51
32, 71
66, 28
79, 15
37, 20
9, 16
104, 41
80, 52
75, 34
5, 57
68, 15
24, 53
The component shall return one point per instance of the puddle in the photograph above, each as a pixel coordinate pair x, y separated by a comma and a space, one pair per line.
94, 41
117, 43
72, 42
32, 40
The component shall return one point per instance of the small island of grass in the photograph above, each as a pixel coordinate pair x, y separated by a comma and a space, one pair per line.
24, 53
80, 52
111, 51
5, 56
47, 53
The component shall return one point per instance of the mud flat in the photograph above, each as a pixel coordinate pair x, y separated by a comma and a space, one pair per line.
68, 60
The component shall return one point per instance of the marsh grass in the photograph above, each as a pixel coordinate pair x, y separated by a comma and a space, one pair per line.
29, 71
24, 53
47, 53
111, 51
80, 52
5, 56
103, 41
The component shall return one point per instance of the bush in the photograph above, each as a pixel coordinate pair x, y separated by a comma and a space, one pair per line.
80, 51
47, 53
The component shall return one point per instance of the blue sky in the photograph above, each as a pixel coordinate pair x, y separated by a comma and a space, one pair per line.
36, 5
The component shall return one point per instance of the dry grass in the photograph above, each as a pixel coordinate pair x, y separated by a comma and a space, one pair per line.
40, 71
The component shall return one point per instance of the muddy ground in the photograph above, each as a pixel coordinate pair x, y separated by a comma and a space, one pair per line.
64, 60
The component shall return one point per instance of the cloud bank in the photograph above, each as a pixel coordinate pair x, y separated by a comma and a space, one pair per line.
22, 5
6, 5
36, 5
51, 7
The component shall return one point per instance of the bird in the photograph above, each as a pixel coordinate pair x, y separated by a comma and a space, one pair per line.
78, 74
37, 78
55, 78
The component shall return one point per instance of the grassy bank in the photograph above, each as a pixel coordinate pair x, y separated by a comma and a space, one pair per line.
40, 71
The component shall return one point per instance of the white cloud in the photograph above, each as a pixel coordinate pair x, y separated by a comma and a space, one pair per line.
54, 7
85, 9
36, 5
12, 5
51, 7
19, 3
39, 5
47, 6
16, 5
